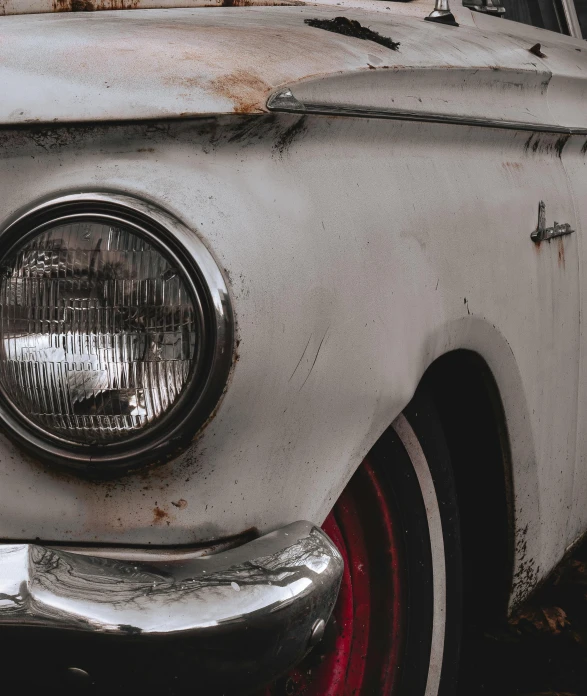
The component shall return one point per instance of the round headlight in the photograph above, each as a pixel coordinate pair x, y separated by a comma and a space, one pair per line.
115, 331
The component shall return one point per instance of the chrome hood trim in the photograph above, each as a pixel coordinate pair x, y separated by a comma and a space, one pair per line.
284, 101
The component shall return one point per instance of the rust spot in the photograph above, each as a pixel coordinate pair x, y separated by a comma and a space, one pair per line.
181, 503
160, 515
247, 91
561, 253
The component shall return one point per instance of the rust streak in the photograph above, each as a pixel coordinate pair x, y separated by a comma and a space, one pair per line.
89, 6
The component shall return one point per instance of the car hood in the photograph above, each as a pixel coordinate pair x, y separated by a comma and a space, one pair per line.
156, 64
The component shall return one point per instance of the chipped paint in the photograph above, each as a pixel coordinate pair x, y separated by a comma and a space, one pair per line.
353, 28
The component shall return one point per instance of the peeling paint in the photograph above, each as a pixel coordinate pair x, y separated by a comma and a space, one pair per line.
351, 27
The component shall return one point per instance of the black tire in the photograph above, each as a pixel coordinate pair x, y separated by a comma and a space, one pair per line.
391, 455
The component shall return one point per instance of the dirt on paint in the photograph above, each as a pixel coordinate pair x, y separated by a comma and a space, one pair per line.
541, 650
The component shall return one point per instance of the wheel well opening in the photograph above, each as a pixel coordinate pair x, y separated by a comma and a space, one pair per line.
469, 407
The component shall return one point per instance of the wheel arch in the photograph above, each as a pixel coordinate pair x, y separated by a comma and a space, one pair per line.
471, 412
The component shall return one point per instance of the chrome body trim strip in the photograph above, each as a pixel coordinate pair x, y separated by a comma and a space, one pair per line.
285, 101
283, 584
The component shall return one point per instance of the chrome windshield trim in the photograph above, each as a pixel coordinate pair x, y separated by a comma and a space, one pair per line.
284, 101
572, 19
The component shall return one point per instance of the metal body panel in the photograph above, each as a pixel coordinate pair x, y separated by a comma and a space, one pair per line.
151, 64
358, 249
20, 7
575, 162
344, 293
16, 7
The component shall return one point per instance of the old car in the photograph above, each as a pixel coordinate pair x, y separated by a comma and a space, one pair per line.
292, 368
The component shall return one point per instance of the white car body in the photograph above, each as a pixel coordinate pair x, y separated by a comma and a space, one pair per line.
358, 250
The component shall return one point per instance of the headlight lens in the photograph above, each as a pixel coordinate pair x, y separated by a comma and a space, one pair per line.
115, 331
98, 332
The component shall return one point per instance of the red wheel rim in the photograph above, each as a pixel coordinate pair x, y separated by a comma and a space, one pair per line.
361, 652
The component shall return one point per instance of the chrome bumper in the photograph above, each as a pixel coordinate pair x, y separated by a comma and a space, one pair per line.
268, 600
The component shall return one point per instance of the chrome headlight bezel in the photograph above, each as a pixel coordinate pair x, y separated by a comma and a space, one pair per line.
208, 288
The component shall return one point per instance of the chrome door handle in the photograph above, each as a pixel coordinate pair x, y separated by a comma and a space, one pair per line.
543, 233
